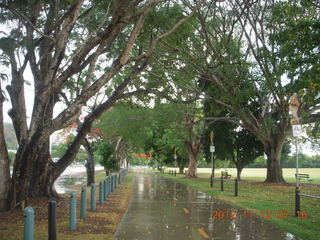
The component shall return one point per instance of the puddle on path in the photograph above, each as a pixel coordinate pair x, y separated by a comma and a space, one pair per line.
166, 210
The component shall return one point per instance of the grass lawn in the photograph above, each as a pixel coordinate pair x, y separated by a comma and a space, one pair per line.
274, 198
100, 224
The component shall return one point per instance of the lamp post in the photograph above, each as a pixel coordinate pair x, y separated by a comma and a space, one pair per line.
211, 152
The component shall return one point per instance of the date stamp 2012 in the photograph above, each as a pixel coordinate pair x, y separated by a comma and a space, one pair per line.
247, 214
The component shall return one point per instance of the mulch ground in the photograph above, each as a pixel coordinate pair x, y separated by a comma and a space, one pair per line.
99, 224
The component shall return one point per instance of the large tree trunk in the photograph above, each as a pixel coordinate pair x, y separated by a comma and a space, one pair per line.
90, 163
192, 168
239, 165
31, 170
4, 162
181, 168
181, 165
34, 173
41, 184
273, 151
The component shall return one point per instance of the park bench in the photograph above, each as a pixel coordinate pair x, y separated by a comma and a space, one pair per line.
225, 174
304, 176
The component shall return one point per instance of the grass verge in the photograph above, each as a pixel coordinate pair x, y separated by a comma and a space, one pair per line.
100, 224
261, 197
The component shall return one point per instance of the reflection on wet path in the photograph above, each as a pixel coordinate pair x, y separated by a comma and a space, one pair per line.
166, 210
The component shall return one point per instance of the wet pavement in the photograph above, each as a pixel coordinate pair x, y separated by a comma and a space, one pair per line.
77, 172
166, 210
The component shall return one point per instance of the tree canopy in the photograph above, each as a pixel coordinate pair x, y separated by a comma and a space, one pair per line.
177, 66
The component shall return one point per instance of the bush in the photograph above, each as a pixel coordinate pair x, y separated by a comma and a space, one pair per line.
106, 150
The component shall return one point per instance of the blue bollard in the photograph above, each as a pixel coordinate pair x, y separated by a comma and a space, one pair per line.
28, 231
93, 197
73, 211
105, 189
101, 193
117, 181
111, 184
108, 186
83, 202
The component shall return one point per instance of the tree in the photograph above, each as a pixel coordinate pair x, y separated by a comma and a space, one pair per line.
108, 161
155, 131
177, 125
4, 159
59, 40
246, 149
235, 54
233, 143
94, 135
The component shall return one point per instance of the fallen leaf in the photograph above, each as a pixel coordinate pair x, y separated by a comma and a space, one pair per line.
203, 233
186, 211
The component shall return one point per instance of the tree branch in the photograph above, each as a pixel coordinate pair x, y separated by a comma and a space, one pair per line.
26, 21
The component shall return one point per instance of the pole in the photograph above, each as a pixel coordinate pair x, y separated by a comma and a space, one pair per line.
211, 152
236, 187
222, 183
297, 205
297, 165
52, 220
212, 169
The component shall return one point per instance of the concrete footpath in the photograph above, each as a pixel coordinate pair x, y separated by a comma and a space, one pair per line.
165, 210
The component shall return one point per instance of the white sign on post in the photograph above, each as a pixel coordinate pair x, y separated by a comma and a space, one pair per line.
211, 148
296, 130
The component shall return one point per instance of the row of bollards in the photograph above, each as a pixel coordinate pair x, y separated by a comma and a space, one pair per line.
235, 185
222, 180
173, 172
106, 187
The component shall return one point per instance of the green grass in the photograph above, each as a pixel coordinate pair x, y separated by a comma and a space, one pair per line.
258, 196
259, 174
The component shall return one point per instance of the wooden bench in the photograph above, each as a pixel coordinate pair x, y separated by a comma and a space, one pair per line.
304, 176
225, 174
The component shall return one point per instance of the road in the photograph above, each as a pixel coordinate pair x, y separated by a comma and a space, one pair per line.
75, 171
